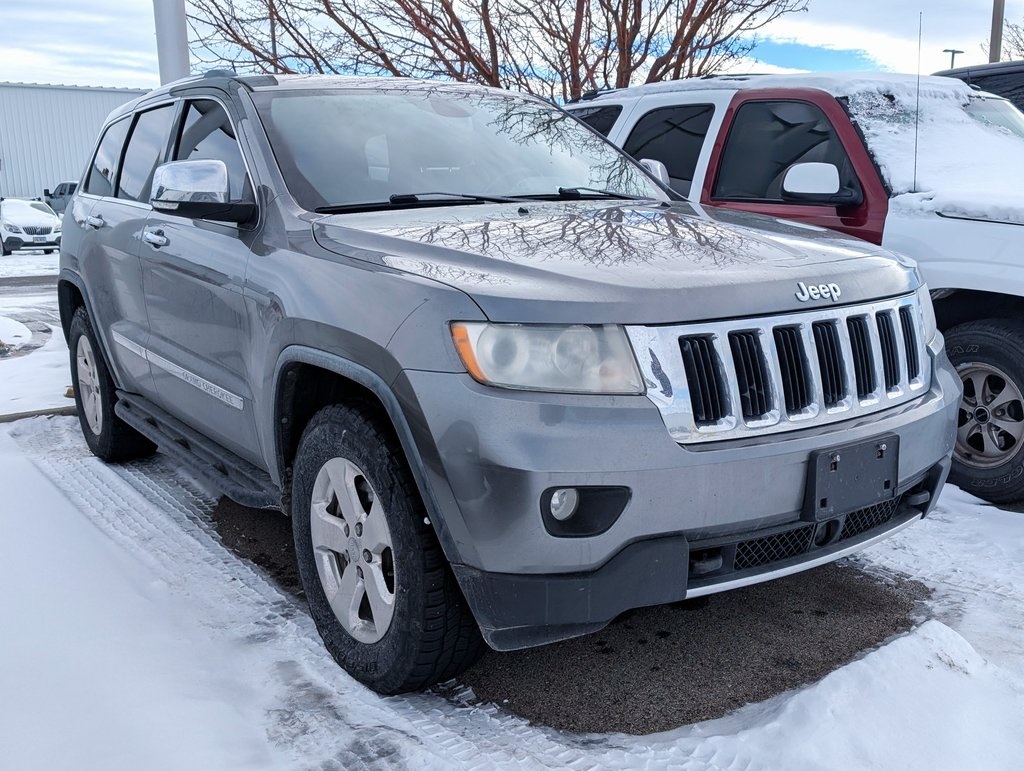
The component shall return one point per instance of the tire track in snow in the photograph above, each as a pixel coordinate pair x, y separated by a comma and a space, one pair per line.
315, 712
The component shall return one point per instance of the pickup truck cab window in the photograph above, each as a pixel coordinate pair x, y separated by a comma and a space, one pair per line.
765, 139
674, 136
601, 119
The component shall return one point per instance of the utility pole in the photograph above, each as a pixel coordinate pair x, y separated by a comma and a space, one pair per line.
995, 44
952, 55
171, 39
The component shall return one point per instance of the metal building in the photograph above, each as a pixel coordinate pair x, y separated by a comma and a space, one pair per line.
47, 133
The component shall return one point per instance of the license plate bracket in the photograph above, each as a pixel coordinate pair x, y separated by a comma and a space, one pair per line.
851, 476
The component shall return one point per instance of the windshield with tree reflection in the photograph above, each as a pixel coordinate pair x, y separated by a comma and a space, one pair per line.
356, 146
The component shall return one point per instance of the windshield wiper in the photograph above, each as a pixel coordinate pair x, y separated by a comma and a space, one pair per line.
574, 193
414, 199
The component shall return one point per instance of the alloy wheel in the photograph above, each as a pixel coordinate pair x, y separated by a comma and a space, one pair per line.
353, 550
990, 422
89, 385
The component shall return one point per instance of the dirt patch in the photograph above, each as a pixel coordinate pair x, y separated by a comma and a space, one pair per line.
656, 669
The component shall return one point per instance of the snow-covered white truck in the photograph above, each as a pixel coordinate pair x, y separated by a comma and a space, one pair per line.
928, 167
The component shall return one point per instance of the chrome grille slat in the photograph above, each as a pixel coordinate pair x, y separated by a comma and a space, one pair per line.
668, 385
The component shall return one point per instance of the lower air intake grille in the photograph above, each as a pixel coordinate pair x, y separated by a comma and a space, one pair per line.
707, 392
751, 376
773, 548
862, 520
830, 361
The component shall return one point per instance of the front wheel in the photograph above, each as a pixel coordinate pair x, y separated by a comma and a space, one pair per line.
379, 588
988, 460
109, 437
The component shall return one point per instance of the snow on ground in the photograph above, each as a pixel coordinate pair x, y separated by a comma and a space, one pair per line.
13, 334
29, 264
162, 649
37, 380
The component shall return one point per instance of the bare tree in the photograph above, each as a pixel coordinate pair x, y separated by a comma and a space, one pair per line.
557, 48
1013, 41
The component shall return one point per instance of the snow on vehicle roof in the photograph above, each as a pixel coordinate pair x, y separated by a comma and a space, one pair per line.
835, 83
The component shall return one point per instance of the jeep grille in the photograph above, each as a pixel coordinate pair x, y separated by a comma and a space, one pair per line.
731, 379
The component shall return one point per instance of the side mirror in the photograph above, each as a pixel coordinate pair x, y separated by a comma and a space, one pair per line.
197, 189
818, 183
657, 169
46, 192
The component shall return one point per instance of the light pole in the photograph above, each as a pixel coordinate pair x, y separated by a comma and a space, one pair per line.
952, 55
995, 44
171, 39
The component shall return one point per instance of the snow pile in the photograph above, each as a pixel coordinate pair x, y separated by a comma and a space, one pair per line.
13, 335
965, 167
37, 380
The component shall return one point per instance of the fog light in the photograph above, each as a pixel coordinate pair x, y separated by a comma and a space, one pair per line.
564, 503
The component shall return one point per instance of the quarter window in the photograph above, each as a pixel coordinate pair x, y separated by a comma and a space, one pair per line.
146, 149
674, 136
601, 119
104, 163
207, 134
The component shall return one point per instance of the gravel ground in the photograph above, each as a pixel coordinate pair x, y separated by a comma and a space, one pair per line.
656, 669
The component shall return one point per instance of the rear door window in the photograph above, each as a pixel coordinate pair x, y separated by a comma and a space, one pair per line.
674, 136
601, 119
765, 139
146, 149
207, 134
104, 164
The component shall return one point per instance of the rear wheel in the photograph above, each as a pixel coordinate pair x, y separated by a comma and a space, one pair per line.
988, 460
109, 437
379, 588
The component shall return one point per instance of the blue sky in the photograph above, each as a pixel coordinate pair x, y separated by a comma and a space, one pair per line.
112, 42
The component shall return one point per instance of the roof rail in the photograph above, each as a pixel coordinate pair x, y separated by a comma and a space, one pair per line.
223, 72
587, 96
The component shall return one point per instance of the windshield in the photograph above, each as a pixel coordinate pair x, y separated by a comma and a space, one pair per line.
963, 142
997, 112
358, 146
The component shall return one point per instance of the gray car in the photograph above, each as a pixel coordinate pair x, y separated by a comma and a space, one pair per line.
506, 385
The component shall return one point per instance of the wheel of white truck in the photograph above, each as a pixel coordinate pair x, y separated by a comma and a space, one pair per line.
379, 588
988, 459
109, 437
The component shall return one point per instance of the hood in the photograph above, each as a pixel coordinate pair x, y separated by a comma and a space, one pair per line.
609, 262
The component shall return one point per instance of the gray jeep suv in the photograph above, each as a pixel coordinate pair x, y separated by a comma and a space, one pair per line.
506, 385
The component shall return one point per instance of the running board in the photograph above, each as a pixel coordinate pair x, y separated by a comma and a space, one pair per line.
235, 477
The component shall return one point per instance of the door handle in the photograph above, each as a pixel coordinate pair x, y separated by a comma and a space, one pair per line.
155, 237
94, 222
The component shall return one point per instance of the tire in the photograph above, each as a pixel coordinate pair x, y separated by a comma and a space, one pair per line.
109, 437
988, 460
5, 251
427, 634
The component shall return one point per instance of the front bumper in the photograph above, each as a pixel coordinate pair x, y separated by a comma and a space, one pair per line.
13, 243
490, 455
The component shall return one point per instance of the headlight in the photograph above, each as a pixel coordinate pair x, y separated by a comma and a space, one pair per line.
56, 229
12, 228
924, 301
570, 359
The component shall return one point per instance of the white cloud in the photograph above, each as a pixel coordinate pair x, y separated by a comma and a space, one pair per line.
887, 30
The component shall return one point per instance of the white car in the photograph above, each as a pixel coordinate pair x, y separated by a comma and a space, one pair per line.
28, 225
